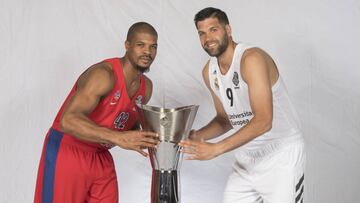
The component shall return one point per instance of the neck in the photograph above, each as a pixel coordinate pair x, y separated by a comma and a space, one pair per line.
131, 74
225, 59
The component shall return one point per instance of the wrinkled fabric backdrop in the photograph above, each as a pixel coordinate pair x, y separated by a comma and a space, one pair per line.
46, 45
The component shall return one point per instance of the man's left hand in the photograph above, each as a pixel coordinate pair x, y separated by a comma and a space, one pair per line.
199, 150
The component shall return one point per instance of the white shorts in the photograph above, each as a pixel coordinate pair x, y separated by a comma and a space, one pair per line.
277, 178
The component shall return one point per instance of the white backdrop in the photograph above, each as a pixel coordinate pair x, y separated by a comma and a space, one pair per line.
45, 45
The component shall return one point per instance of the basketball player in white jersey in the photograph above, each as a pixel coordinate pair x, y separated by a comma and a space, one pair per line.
250, 97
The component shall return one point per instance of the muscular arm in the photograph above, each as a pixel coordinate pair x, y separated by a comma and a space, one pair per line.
256, 72
220, 123
149, 88
260, 73
93, 85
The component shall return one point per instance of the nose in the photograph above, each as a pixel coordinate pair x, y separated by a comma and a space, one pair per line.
147, 50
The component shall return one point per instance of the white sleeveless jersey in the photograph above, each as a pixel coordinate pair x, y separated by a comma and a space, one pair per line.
233, 93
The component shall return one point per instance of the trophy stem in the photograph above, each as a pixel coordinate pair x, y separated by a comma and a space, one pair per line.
172, 125
165, 186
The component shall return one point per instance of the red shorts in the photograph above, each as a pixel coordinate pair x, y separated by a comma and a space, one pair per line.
72, 171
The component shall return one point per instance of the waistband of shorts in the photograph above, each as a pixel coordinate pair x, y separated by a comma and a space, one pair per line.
270, 148
75, 142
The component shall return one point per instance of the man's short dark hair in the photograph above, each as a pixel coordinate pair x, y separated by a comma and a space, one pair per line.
211, 12
142, 27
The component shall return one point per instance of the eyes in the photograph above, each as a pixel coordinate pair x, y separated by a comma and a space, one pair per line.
211, 30
154, 46
142, 45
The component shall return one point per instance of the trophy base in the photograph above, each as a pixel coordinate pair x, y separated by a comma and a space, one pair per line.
165, 186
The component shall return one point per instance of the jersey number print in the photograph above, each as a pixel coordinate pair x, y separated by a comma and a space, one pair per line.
121, 120
229, 95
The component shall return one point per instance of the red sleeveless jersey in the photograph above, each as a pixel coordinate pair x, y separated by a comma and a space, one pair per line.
115, 111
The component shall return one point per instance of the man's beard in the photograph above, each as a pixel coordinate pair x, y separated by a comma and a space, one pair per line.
142, 69
221, 49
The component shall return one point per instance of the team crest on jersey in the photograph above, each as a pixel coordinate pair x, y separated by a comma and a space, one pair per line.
121, 120
139, 99
236, 79
216, 82
115, 98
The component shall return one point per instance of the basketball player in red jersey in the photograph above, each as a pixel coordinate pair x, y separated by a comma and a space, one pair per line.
100, 112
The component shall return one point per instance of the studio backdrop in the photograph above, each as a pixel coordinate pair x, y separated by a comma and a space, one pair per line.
46, 45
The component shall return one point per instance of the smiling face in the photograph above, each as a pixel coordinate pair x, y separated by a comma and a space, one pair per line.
214, 36
141, 50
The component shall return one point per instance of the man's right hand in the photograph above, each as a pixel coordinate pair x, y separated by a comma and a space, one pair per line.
136, 140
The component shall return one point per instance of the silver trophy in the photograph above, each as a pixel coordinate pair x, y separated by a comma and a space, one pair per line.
172, 125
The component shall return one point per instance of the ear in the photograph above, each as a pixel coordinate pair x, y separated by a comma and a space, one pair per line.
228, 30
127, 45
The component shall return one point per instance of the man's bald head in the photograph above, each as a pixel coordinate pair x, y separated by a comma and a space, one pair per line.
140, 27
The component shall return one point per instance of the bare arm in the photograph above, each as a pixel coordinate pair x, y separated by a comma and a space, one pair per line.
259, 74
94, 84
256, 73
220, 123
149, 88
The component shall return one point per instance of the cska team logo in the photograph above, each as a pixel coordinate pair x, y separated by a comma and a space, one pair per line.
139, 99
